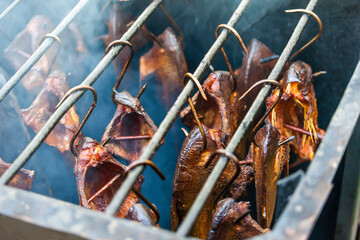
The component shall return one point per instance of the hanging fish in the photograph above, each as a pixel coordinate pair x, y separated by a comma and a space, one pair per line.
216, 112
190, 175
167, 63
24, 45
296, 113
268, 159
231, 221
130, 129
119, 23
43, 107
23, 179
251, 71
98, 177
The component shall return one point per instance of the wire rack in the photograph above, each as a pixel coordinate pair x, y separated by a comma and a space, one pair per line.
57, 218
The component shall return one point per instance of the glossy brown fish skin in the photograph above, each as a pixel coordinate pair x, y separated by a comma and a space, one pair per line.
190, 175
216, 112
95, 168
298, 108
231, 220
167, 63
23, 46
138, 212
130, 119
268, 159
23, 178
250, 72
54, 89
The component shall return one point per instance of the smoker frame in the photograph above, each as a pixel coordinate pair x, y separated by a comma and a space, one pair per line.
78, 223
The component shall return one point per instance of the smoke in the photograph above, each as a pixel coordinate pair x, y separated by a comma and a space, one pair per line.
264, 20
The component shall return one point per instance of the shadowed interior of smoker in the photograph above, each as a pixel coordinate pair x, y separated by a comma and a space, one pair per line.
336, 52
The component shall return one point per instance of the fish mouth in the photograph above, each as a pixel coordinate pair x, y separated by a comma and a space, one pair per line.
296, 115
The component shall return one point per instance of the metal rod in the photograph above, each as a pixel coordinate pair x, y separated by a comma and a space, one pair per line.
67, 104
173, 113
41, 50
8, 9
205, 192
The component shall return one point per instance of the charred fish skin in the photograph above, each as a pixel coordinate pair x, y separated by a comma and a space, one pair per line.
94, 169
231, 220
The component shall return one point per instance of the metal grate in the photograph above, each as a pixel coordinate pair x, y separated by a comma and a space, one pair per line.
301, 213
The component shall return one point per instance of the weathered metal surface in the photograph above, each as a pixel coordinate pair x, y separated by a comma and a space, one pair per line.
285, 188
349, 205
32, 216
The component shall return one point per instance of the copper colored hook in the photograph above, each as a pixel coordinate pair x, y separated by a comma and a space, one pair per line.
197, 83
126, 66
235, 160
93, 105
103, 11
175, 25
237, 35
145, 162
265, 81
317, 35
159, 173
56, 38
147, 202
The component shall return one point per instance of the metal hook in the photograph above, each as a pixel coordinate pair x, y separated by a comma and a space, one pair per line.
93, 105
141, 196
233, 158
145, 162
103, 11
141, 90
159, 173
56, 38
181, 35
286, 141
317, 35
197, 83
126, 66
147, 202
237, 35
318, 74
273, 82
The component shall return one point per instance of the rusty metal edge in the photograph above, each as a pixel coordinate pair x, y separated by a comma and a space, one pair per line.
66, 218
300, 215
